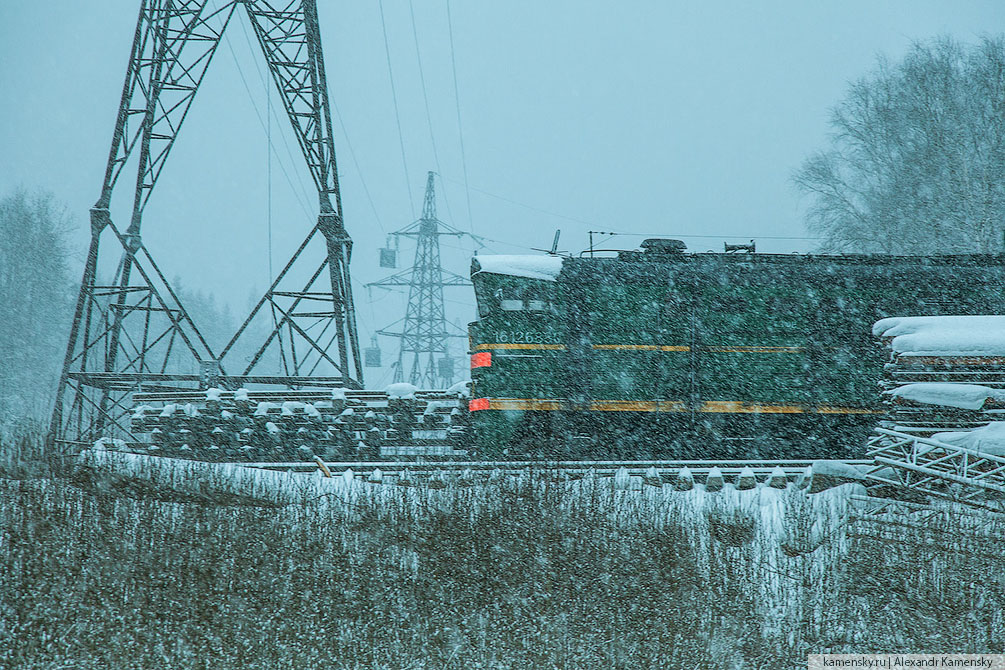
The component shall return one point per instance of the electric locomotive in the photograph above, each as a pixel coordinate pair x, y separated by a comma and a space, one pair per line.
662, 353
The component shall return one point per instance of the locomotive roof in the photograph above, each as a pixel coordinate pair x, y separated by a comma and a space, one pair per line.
531, 267
548, 267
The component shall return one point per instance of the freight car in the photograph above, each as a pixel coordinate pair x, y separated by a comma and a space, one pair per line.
661, 353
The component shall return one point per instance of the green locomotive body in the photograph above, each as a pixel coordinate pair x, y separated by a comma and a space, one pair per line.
666, 354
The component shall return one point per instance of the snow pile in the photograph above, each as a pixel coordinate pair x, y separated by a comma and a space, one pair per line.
944, 335
989, 439
401, 390
105, 443
209, 479
461, 389
532, 267
264, 408
963, 396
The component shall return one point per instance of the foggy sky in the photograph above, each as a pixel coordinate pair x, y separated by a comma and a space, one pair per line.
658, 118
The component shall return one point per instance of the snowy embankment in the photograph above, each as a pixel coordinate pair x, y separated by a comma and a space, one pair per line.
224, 481
671, 552
768, 527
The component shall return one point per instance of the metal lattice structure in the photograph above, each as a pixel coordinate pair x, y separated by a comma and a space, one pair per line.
425, 331
132, 333
933, 468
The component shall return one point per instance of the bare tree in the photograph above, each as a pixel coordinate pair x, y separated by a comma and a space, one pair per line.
34, 302
916, 162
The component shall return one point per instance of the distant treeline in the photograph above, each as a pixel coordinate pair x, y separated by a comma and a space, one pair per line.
39, 282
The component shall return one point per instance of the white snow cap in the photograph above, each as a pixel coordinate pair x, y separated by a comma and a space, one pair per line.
264, 407
401, 390
532, 267
989, 439
944, 335
964, 396
461, 388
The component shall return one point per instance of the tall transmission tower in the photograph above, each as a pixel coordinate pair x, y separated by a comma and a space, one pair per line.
425, 330
132, 333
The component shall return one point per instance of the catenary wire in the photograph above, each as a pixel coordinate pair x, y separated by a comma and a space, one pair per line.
460, 127
397, 116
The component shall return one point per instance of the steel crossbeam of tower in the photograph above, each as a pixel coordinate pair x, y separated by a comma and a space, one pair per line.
132, 333
425, 331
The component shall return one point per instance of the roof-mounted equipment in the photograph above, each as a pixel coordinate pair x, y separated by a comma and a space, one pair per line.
659, 245
748, 248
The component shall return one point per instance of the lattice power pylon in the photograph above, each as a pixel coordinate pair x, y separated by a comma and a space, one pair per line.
132, 333
425, 330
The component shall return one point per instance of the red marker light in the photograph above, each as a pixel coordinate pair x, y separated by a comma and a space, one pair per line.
482, 359
478, 403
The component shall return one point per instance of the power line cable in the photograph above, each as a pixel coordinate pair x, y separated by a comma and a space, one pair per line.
719, 237
422, 81
425, 99
289, 152
594, 223
460, 127
352, 155
268, 170
397, 116
261, 122
286, 145
525, 205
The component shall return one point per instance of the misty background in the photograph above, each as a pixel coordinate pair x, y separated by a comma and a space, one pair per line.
649, 119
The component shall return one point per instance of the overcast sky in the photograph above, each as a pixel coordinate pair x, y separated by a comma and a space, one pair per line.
652, 118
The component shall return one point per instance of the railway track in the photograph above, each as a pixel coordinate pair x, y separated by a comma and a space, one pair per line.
742, 473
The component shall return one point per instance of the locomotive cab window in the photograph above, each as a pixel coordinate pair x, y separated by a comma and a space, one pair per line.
510, 298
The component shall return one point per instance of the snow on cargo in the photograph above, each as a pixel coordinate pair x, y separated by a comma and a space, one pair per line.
531, 267
989, 439
944, 335
401, 390
264, 408
963, 396
461, 389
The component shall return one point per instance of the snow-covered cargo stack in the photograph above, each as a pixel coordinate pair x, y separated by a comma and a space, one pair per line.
945, 392
296, 425
945, 373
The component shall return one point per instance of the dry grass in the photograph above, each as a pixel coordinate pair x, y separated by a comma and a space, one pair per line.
514, 575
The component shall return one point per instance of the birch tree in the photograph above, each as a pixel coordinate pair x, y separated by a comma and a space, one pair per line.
916, 160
